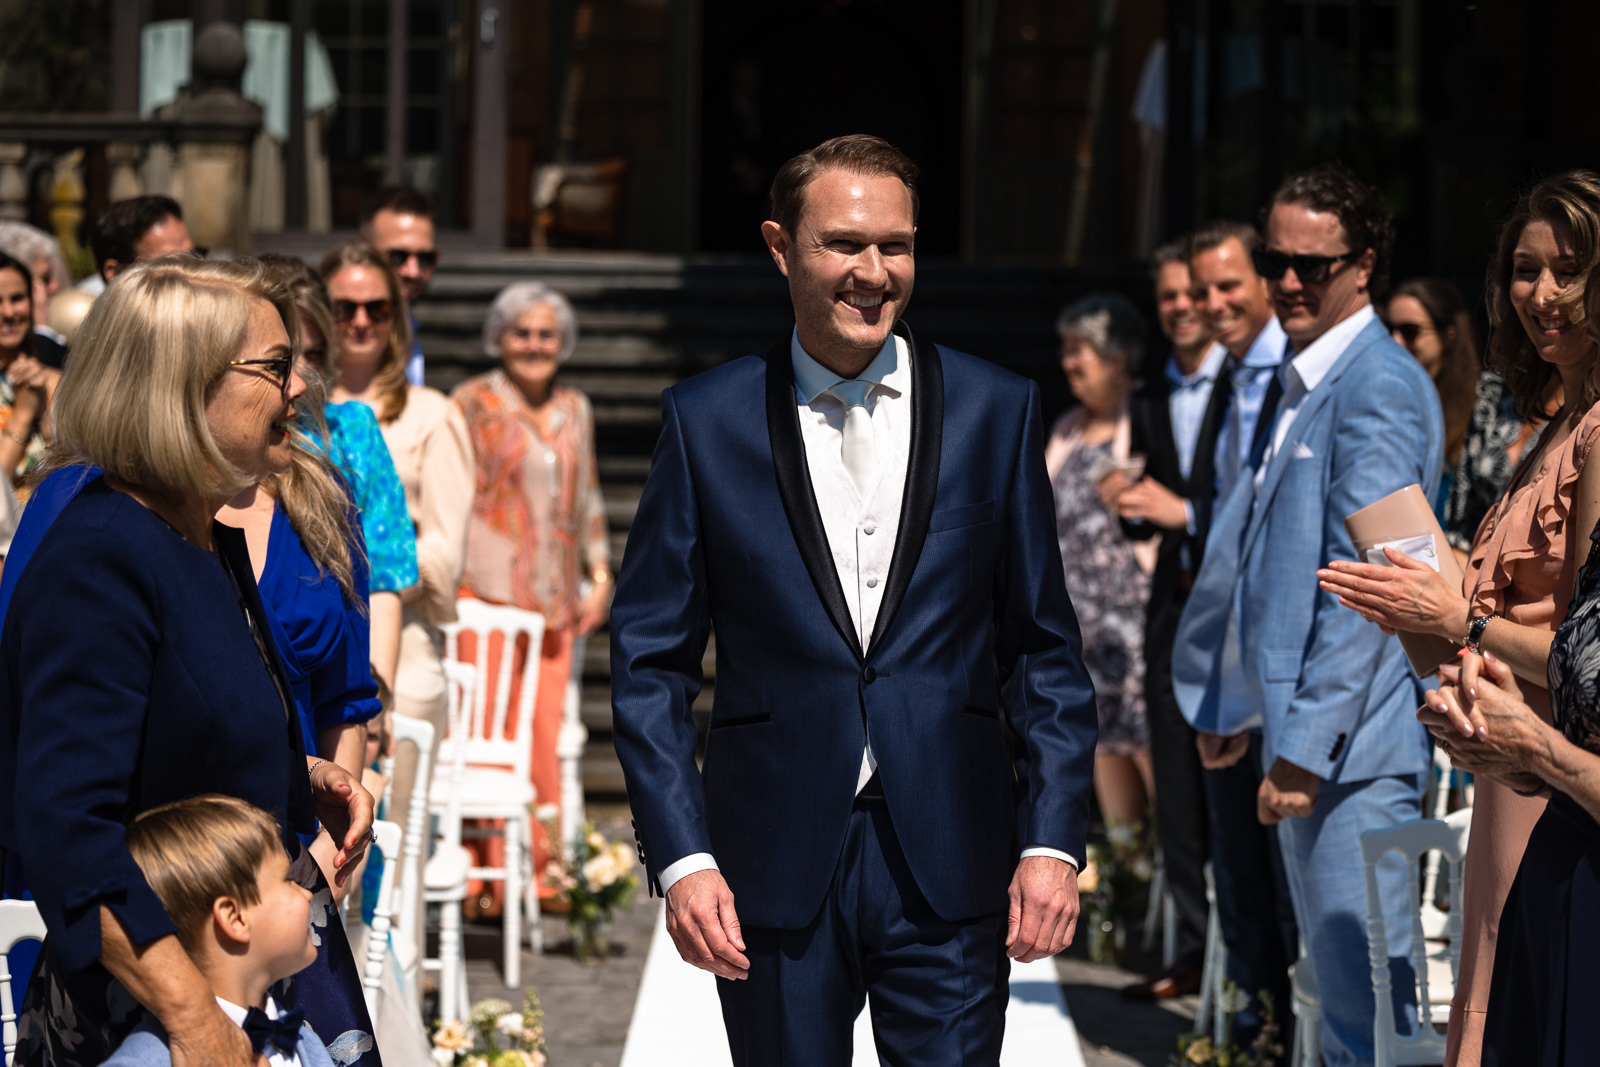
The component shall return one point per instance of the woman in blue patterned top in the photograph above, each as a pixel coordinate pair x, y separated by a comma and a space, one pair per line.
355, 444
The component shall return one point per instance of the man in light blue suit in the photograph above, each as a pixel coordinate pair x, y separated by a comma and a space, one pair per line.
1333, 696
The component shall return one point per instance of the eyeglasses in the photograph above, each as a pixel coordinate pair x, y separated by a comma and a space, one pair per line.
378, 311
1311, 270
277, 366
1408, 332
427, 258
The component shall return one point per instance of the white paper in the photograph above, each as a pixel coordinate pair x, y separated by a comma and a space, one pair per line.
1420, 548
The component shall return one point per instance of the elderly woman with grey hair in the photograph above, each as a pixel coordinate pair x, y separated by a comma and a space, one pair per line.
537, 538
1108, 576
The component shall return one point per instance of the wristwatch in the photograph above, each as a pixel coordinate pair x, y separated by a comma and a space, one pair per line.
1475, 632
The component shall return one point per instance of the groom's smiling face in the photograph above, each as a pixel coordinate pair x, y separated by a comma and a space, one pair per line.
850, 265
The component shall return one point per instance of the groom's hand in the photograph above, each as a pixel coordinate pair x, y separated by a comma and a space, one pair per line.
702, 922
1044, 908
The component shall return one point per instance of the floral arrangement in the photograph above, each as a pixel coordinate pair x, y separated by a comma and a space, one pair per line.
594, 879
1199, 1050
473, 1044
1115, 888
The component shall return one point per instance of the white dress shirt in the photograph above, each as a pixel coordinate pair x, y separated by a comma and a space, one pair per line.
275, 1056
1305, 372
861, 532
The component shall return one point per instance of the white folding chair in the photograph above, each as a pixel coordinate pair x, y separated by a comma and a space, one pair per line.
496, 782
1306, 1006
386, 839
1213, 971
1443, 787
444, 879
19, 921
409, 940
569, 750
1436, 967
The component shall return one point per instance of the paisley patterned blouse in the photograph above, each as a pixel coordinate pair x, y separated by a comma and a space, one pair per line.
538, 521
1575, 659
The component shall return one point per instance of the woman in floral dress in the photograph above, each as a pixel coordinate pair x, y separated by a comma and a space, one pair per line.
1108, 576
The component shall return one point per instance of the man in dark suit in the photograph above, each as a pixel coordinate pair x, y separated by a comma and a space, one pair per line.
1175, 416
894, 793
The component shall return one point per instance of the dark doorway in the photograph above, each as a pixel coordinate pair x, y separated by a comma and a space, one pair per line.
784, 75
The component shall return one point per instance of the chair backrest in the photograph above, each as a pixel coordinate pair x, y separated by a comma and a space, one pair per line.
490, 715
414, 845
19, 921
461, 685
1448, 838
387, 835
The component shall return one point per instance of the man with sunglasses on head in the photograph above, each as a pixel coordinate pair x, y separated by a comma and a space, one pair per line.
1333, 697
398, 221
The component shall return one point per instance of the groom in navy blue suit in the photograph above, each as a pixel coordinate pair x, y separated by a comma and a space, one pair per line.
894, 795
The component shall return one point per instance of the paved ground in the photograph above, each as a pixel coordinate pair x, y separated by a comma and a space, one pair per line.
587, 1008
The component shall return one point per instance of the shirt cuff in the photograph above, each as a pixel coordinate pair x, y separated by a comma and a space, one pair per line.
674, 872
1040, 850
1188, 518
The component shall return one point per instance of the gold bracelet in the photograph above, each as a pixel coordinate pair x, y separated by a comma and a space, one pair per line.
600, 576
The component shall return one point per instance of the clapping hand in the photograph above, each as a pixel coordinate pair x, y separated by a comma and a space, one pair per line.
1150, 501
1409, 596
1481, 721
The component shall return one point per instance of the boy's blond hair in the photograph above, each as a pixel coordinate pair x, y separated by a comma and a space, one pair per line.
196, 850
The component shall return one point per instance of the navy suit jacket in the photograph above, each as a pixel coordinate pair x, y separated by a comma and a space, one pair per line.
972, 689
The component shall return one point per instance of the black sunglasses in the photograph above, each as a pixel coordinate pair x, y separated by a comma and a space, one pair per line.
378, 311
277, 366
1311, 270
1410, 331
427, 259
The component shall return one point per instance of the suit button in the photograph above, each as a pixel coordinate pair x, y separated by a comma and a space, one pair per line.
869, 676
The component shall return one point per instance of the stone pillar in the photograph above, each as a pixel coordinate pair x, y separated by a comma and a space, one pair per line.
214, 126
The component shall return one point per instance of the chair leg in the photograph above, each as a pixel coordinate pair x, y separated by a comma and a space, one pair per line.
452, 987
511, 929
535, 918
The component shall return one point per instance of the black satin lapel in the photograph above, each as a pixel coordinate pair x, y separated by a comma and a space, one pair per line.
799, 500
922, 475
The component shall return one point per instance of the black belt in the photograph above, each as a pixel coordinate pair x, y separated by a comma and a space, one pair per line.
872, 791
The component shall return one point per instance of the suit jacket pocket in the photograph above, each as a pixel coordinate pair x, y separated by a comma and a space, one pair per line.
953, 518
1281, 666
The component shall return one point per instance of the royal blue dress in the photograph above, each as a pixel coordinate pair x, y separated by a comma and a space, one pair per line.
355, 445
324, 638
135, 671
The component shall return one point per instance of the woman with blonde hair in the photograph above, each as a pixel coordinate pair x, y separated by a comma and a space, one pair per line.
537, 539
135, 669
1525, 559
432, 452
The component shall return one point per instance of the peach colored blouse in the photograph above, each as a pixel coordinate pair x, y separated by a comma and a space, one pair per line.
1522, 567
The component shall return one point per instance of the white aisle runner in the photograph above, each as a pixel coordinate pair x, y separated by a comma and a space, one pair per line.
677, 1022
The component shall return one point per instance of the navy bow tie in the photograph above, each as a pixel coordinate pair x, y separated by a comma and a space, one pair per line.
283, 1033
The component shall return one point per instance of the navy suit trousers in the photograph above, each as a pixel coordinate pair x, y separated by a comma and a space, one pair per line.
1253, 902
938, 990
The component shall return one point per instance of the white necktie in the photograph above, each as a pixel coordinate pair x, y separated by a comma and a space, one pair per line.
857, 450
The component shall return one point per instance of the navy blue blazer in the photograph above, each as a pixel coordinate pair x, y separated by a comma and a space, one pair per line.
972, 690
128, 679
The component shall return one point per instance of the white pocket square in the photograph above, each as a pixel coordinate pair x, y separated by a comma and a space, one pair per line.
1300, 451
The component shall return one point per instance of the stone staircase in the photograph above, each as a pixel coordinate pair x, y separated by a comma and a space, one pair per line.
647, 321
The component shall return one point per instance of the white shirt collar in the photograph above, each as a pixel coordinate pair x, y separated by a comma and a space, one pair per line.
1313, 364
890, 368
1207, 371
276, 1057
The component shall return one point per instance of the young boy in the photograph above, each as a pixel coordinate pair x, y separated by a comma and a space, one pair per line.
217, 865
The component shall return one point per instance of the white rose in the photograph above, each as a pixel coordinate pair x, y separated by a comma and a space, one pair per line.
510, 1024
600, 871
547, 812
